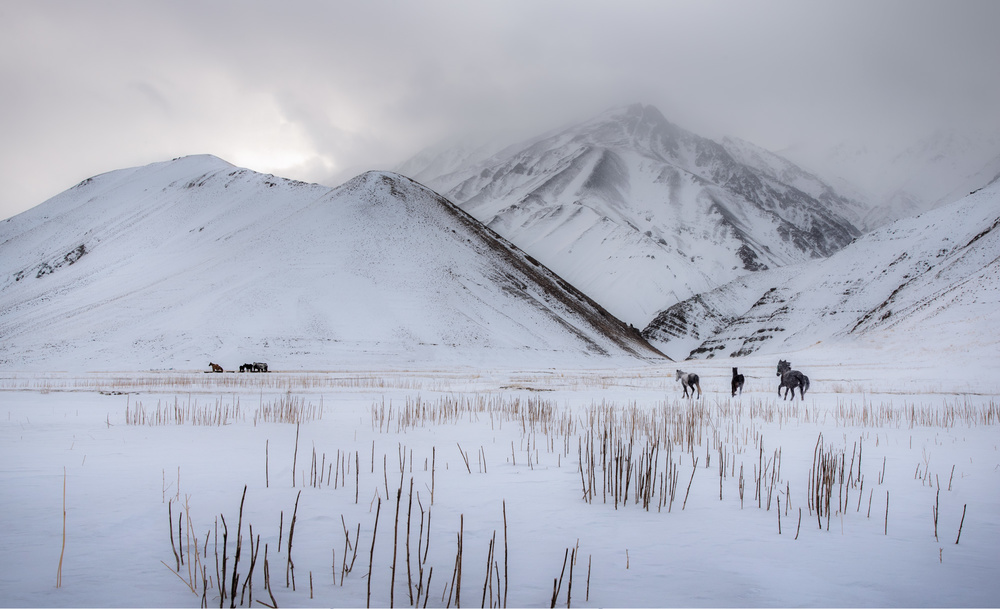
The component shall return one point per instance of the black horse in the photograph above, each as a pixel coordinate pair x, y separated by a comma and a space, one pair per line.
738, 381
246, 367
259, 367
790, 379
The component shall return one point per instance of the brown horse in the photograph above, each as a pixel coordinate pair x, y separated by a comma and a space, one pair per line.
215, 367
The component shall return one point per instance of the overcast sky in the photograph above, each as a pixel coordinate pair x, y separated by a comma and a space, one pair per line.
320, 91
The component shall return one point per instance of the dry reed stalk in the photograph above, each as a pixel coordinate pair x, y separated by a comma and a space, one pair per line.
170, 516
62, 552
409, 573
371, 555
693, 470
221, 576
267, 580
505, 580
557, 582
742, 486
960, 524
569, 586
779, 515
281, 528
239, 546
458, 562
464, 457
254, 553
290, 564
395, 546
295, 455
488, 581
886, 532
934, 511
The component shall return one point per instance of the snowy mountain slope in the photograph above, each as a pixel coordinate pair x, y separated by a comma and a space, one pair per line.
639, 213
930, 281
180, 263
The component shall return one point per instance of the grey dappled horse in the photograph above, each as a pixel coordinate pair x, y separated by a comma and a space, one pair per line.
689, 380
790, 379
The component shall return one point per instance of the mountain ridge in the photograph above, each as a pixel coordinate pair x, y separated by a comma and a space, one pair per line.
195, 260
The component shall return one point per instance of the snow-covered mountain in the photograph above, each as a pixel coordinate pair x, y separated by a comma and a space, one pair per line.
180, 263
904, 180
928, 282
640, 214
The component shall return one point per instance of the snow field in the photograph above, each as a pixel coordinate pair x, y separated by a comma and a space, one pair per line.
524, 435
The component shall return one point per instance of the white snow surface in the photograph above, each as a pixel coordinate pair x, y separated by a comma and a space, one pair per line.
98, 468
181, 263
929, 283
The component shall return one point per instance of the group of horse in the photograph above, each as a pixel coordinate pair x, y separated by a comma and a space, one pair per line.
254, 367
790, 381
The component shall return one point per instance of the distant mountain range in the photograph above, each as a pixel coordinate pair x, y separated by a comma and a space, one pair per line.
191, 261
929, 282
713, 249
640, 213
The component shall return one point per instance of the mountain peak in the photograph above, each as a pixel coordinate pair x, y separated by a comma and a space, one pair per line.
627, 198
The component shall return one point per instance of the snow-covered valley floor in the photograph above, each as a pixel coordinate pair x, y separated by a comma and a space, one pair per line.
110, 479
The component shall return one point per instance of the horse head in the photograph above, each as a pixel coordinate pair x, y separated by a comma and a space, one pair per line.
783, 367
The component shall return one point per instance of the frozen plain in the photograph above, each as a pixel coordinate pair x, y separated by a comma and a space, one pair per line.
910, 436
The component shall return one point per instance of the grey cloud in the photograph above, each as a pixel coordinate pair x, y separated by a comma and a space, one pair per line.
89, 87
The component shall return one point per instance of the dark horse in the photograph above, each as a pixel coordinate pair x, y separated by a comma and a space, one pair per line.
254, 367
738, 381
689, 380
790, 379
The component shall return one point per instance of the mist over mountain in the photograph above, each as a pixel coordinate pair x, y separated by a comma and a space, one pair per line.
180, 263
906, 178
640, 213
928, 283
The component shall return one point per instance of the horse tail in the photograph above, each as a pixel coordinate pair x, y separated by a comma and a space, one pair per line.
805, 383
